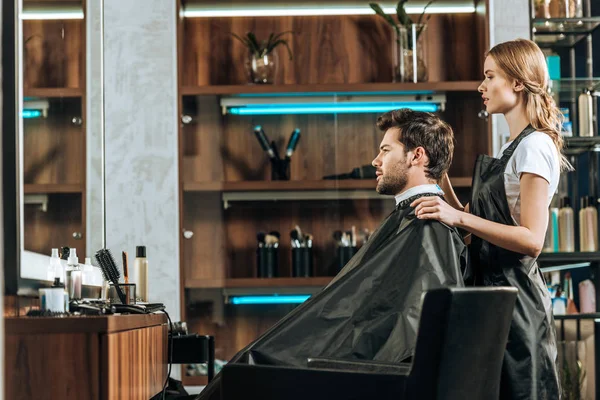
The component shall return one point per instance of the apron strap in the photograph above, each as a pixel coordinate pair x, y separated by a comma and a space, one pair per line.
513, 146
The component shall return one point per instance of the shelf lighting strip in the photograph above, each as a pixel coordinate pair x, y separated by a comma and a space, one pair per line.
50, 11
270, 299
276, 105
197, 11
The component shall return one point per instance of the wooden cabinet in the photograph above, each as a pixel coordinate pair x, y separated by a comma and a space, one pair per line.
54, 138
227, 193
116, 357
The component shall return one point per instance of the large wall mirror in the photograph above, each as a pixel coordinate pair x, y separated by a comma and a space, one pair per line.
59, 145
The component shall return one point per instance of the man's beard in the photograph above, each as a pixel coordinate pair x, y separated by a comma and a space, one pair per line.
393, 183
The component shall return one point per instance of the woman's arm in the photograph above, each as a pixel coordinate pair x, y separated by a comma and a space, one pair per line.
525, 239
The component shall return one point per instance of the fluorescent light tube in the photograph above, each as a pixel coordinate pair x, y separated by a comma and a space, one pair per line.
330, 109
194, 11
272, 299
51, 11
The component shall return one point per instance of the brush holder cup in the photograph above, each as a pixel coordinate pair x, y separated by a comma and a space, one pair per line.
127, 288
344, 254
302, 262
280, 170
267, 262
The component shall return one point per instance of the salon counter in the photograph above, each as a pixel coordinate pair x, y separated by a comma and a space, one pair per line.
119, 357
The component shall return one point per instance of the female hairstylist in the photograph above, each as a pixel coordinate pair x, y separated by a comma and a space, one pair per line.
508, 212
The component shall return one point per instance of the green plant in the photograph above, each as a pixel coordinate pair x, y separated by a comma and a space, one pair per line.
262, 48
403, 20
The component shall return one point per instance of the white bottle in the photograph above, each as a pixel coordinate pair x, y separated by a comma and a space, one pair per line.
74, 275
54, 267
140, 273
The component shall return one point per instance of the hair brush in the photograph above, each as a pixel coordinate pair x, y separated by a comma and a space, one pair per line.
109, 269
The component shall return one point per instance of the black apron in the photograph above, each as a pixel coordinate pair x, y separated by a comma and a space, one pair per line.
529, 370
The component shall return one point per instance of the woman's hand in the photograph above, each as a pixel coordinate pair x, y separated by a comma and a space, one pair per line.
434, 207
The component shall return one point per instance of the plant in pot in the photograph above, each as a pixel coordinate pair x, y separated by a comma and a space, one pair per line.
409, 46
261, 62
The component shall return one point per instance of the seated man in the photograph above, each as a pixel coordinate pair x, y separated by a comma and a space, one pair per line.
371, 309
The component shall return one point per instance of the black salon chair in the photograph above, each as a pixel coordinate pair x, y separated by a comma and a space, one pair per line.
459, 351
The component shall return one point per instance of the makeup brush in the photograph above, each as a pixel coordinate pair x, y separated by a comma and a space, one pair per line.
337, 236
294, 236
125, 267
271, 241
260, 237
308, 239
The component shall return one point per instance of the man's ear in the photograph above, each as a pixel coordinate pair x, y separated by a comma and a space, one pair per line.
419, 156
518, 86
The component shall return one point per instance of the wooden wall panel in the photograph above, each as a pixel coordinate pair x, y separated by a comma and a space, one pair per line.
54, 147
53, 53
134, 363
326, 49
54, 228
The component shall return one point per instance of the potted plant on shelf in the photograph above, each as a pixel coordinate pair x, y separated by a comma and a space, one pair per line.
261, 63
408, 51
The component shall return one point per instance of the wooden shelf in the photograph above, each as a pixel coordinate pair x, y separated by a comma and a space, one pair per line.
574, 257
251, 186
44, 188
383, 87
52, 92
318, 281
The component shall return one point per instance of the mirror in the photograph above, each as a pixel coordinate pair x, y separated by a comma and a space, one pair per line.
59, 142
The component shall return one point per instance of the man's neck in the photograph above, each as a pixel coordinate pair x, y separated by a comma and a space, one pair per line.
427, 187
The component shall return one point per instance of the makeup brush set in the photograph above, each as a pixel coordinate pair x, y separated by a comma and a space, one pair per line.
347, 242
302, 255
267, 254
280, 168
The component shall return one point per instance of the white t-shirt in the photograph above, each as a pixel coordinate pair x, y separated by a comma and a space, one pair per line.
535, 154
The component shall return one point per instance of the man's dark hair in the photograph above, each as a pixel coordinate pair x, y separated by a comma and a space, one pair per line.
422, 129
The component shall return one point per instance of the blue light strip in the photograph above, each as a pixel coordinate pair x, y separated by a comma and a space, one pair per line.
275, 109
273, 299
31, 113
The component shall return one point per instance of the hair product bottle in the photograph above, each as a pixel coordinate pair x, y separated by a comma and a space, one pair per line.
551, 240
74, 275
588, 224
140, 273
566, 226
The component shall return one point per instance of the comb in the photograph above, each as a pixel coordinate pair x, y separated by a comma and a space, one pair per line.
109, 269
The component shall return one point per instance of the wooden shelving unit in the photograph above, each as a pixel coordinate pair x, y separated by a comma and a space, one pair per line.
52, 188
221, 161
455, 86
53, 92
247, 186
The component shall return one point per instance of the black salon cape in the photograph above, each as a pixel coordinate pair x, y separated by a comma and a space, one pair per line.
371, 309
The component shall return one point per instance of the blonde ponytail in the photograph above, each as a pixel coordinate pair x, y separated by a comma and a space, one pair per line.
523, 61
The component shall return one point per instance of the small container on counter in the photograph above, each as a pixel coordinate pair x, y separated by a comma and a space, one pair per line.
566, 226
